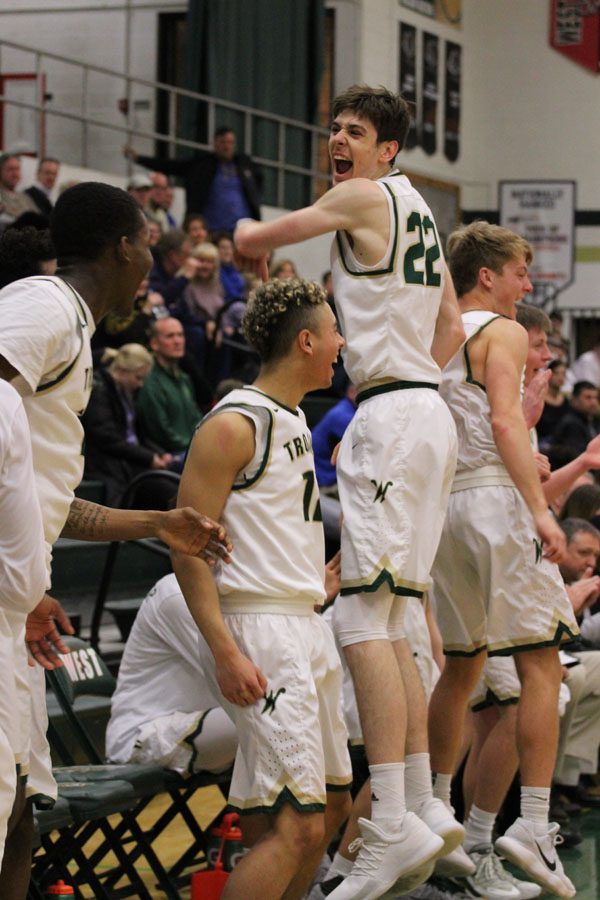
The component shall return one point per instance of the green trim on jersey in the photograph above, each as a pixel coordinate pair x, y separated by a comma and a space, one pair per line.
491, 699
563, 633
375, 273
394, 386
285, 796
191, 737
384, 577
48, 385
277, 402
244, 485
468, 370
473, 652
338, 788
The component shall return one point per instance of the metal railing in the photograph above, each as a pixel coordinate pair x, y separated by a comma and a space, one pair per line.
310, 171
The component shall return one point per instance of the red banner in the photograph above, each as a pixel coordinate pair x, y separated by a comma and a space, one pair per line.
575, 31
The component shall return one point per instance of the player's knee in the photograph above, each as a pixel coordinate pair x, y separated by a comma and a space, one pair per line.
339, 804
357, 619
462, 673
306, 833
542, 666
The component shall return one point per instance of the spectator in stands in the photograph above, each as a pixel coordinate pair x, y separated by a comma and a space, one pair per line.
585, 368
580, 728
582, 503
154, 233
204, 295
115, 331
139, 186
115, 450
25, 252
234, 285
581, 423
12, 202
222, 185
202, 301
168, 410
41, 189
556, 405
173, 266
557, 343
158, 203
284, 269
196, 229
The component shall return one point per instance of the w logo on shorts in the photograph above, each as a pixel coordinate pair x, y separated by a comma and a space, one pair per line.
539, 552
381, 490
270, 701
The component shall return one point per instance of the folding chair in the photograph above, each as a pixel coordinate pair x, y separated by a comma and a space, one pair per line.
85, 673
154, 489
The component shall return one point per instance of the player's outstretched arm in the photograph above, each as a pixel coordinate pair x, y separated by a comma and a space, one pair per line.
343, 208
505, 359
185, 530
221, 448
449, 332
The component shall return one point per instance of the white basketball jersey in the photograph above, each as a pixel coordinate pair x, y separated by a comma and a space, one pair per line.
54, 396
468, 401
273, 514
388, 311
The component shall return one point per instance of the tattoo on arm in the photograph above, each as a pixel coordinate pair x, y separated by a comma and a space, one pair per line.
87, 521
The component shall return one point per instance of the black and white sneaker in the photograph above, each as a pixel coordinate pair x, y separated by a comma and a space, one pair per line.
324, 888
536, 855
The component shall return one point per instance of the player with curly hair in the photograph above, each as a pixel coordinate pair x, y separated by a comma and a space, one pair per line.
273, 663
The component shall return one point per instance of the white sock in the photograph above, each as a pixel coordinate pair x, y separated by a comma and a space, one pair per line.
388, 803
479, 827
417, 780
339, 866
441, 786
535, 807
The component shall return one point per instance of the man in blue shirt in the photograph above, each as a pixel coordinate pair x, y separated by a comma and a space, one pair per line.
221, 184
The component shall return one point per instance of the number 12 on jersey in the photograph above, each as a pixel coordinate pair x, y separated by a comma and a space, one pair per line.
309, 487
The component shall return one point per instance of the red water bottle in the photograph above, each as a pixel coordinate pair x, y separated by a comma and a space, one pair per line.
209, 884
60, 891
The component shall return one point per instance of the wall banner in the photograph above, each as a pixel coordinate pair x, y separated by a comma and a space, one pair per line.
452, 102
575, 31
543, 212
429, 92
408, 77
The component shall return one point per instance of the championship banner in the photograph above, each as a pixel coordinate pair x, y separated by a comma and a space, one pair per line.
543, 212
575, 31
452, 102
408, 78
429, 93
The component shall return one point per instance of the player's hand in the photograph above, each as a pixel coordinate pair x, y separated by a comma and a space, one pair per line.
258, 267
240, 681
552, 535
543, 466
534, 396
333, 577
189, 532
591, 454
42, 636
584, 593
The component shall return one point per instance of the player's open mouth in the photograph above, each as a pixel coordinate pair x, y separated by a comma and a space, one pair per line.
341, 165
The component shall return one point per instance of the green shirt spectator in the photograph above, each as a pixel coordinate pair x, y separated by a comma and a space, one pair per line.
166, 403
